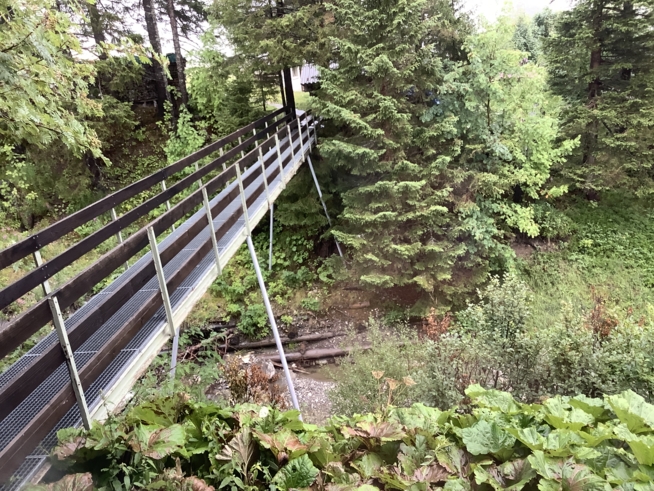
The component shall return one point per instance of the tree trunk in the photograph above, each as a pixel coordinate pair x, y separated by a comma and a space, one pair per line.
153, 35
97, 28
594, 88
170, 6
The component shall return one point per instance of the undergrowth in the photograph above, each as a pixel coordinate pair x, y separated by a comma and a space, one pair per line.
575, 443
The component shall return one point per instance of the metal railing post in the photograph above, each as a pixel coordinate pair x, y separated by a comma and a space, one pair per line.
163, 288
281, 164
119, 235
273, 323
290, 141
199, 181
214, 241
60, 327
240, 142
271, 238
38, 260
163, 188
299, 130
324, 206
244, 202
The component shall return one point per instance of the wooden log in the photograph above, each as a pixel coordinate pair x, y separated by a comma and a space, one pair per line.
271, 342
315, 354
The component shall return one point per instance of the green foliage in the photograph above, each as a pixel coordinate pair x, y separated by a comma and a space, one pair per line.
293, 270
185, 138
199, 365
43, 91
394, 356
505, 341
391, 161
562, 443
600, 61
222, 93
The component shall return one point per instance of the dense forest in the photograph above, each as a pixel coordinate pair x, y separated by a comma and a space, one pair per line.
490, 185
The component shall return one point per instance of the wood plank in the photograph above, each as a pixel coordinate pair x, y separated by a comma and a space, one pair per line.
37, 276
57, 230
15, 452
12, 394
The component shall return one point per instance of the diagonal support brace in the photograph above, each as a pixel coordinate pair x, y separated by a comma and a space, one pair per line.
324, 206
168, 308
60, 327
273, 323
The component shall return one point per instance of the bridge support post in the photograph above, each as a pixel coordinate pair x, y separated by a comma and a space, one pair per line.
214, 241
119, 235
168, 307
38, 260
324, 206
60, 327
271, 238
264, 291
163, 188
281, 164
273, 323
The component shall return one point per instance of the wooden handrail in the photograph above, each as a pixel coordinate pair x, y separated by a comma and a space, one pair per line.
42, 273
33, 243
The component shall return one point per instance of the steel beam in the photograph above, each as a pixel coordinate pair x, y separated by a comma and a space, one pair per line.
324, 206
168, 308
60, 327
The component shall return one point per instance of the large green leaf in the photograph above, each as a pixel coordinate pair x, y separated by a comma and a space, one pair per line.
562, 415
488, 438
493, 399
513, 475
642, 446
633, 411
298, 473
565, 474
595, 407
157, 442
368, 465
282, 441
529, 436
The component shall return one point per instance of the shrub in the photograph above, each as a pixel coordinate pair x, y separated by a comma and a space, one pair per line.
574, 443
494, 343
397, 357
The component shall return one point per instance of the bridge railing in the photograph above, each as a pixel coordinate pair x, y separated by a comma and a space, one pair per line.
11, 337
21, 328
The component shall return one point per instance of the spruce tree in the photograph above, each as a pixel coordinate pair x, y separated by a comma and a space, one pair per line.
387, 67
601, 60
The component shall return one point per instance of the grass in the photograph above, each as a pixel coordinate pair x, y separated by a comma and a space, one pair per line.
609, 261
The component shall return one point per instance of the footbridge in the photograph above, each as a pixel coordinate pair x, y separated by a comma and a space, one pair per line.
135, 296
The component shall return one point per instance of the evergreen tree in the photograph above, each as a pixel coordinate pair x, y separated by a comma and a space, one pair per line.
601, 60
161, 78
396, 220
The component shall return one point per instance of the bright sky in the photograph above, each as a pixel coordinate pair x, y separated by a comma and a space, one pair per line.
491, 9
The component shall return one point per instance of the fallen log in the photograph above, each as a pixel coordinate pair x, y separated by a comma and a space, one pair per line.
314, 354
271, 342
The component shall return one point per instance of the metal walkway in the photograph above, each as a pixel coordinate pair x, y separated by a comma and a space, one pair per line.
116, 334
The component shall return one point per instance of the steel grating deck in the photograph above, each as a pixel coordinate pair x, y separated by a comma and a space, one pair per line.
228, 244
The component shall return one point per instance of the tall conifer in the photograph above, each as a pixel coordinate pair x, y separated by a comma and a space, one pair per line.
601, 60
386, 69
